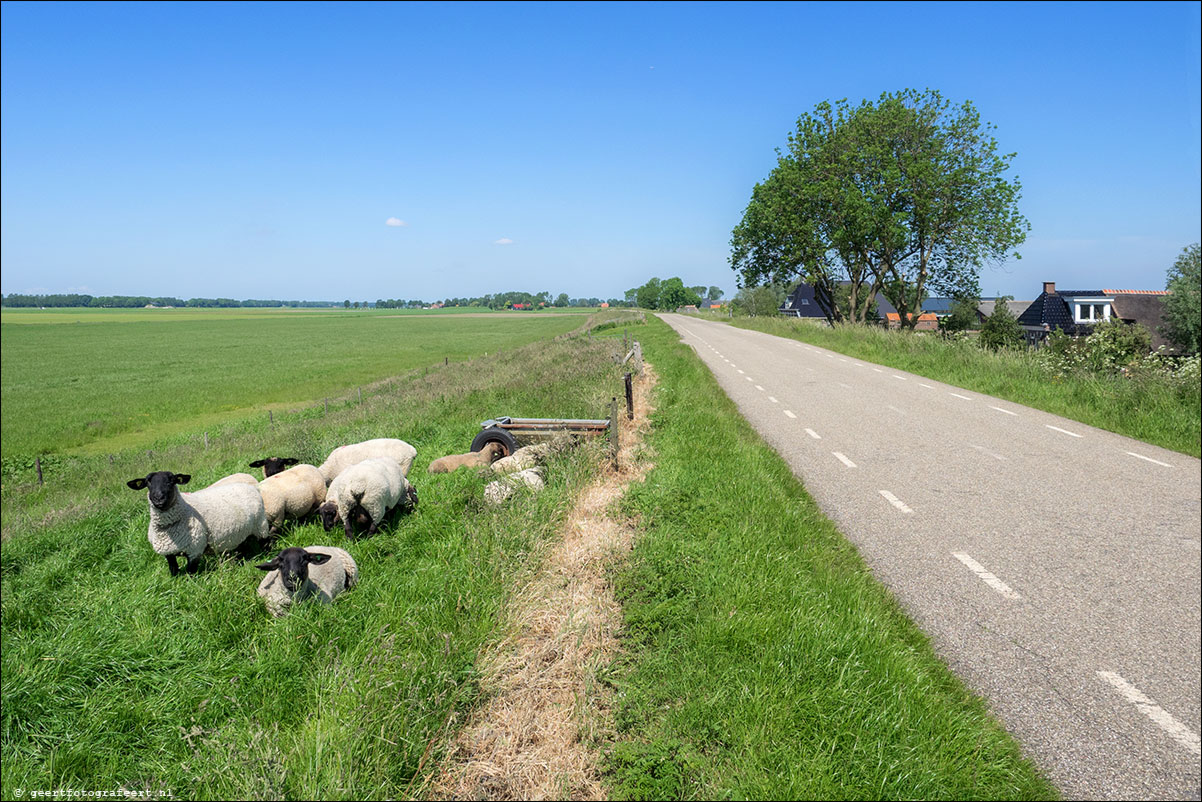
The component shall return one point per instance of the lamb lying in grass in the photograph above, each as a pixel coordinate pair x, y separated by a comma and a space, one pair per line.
319, 572
293, 493
472, 459
364, 493
531, 456
344, 457
216, 518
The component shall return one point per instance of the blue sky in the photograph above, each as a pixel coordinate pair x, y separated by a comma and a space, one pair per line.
257, 150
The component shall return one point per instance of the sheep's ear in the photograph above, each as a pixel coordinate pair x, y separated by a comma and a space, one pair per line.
290, 460
259, 463
182, 478
271, 566
137, 484
317, 559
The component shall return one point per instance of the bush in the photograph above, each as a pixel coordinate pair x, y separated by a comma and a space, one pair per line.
1001, 329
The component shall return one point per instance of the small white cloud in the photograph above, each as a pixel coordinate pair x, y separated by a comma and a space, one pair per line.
396, 222
504, 241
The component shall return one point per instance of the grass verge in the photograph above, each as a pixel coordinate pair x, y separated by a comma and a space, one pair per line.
1167, 416
116, 676
762, 658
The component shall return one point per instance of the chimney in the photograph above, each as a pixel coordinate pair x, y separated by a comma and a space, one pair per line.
1049, 287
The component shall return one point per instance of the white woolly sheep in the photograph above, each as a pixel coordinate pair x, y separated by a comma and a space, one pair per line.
294, 493
501, 490
319, 572
344, 457
273, 465
364, 493
219, 519
472, 459
236, 478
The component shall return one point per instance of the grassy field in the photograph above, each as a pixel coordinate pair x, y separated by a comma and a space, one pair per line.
1155, 412
123, 377
763, 660
115, 675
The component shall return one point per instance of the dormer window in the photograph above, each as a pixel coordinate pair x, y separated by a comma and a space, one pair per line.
1091, 310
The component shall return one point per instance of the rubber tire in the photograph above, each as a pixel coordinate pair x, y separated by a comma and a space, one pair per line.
494, 434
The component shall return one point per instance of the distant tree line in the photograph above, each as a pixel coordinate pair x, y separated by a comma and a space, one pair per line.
502, 300
668, 294
139, 301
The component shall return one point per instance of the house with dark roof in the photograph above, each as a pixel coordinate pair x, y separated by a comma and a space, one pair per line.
801, 302
1076, 311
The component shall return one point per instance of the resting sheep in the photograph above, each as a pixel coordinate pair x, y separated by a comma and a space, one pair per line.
344, 457
320, 572
273, 465
364, 493
474, 459
215, 518
501, 490
294, 493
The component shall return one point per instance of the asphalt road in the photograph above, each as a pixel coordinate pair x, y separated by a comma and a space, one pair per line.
1055, 566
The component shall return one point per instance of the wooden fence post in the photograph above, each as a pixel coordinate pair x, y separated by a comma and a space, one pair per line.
37, 465
629, 399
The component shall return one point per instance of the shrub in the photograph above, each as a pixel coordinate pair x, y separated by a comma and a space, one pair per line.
1001, 329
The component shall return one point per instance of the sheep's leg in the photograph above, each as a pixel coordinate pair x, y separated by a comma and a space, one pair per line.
171, 566
346, 526
193, 564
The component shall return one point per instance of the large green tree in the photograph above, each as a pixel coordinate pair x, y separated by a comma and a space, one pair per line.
902, 196
1183, 306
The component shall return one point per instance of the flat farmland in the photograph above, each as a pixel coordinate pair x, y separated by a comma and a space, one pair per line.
95, 380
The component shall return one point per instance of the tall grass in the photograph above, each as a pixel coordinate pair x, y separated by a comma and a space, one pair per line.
763, 660
1164, 413
116, 676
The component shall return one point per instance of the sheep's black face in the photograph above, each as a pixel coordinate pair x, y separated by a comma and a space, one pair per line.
161, 484
328, 513
293, 565
273, 465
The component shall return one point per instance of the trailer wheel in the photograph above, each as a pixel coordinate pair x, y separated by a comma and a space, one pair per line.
495, 435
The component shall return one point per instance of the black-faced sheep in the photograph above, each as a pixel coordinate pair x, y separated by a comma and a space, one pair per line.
273, 465
364, 493
344, 457
320, 572
216, 518
294, 493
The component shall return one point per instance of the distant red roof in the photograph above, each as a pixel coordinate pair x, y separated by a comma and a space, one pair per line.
1135, 292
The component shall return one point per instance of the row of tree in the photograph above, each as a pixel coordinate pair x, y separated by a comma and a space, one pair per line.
138, 301
669, 294
904, 196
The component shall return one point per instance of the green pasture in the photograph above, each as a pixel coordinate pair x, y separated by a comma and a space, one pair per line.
117, 676
102, 380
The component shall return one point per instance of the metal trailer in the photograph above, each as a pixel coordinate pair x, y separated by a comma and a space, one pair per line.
513, 433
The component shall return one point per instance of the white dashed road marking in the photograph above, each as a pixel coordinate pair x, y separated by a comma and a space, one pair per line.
841, 384
957, 395
843, 459
1062, 431
1008, 412
748, 378
895, 501
929, 387
1149, 459
790, 414
984, 450
772, 398
1164, 719
813, 434
903, 378
761, 389
878, 370
990, 580
739, 371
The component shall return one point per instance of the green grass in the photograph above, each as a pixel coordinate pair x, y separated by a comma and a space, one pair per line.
103, 380
762, 658
1152, 411
115, 675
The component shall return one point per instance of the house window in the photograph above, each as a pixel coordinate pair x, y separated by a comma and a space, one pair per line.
805, 301
1091, 313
